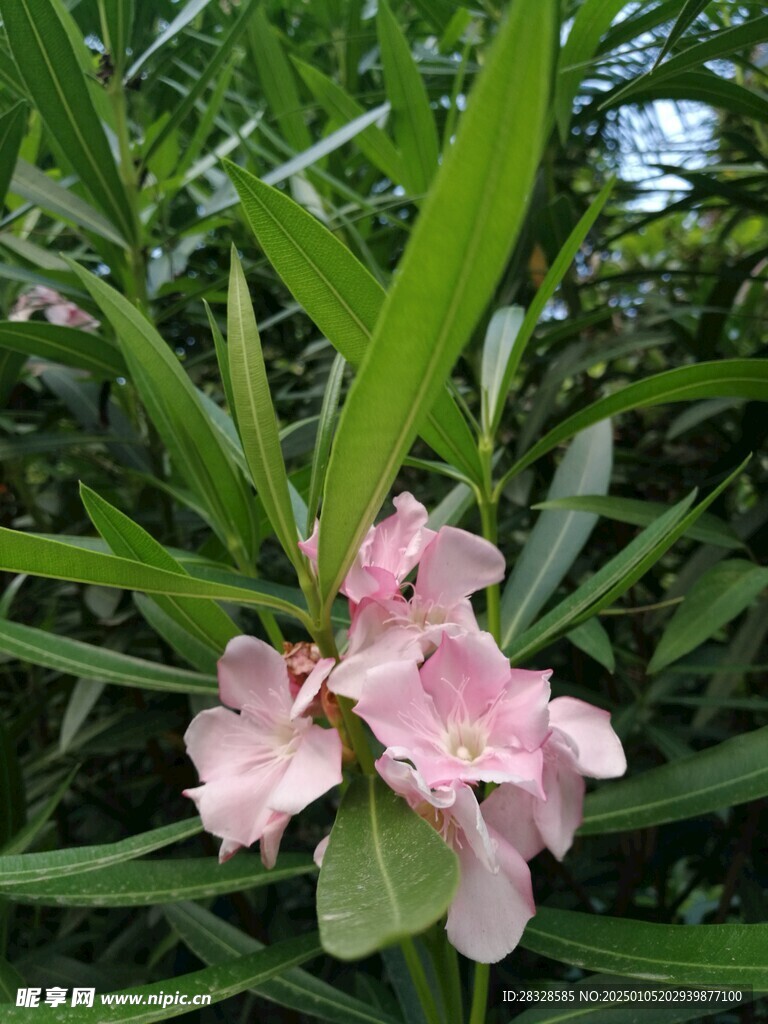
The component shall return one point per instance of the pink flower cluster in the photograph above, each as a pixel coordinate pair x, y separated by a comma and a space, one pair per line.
455, 720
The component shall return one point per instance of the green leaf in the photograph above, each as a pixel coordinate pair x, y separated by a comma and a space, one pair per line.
204, 620
177, 413
690, 12
730, 773
737, 378
745, 36
500, 339
718, 954
340, 295
373, 143
255, 413
386, 873
51, 72
64, 345
592, 19
209, 72
448, 271
143, 883
278, 81
718, 596
414, 124
557, 537
698, 86
35, 186
86, 661
217, 983
12, 124
82, 700
325, 428
709, 529
213, 940
24, 868
39, 556
544, 293
187, 14
618, 575
24, 838
592, 638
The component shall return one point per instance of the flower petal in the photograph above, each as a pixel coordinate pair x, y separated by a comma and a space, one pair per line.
509, 810
490, 911
269, 843
249, 670
311, 771
455, 565
600, 753
222, 743
560, 814
395, 706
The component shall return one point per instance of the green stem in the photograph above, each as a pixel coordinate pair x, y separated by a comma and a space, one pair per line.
421, 984
356, 735
489, 506
480, 994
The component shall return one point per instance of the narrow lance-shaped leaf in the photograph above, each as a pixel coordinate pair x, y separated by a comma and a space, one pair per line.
373, 143
51, 71
32, 867
451, 264
205, 620
340, 295
278, 81
729, 773
592, 19
618, 575
386, 873
215, 983
500, 338
144, 883
722, 44
558, 536
32, 184
41, 556
690, 12
325, 427
709, 529
256, 420
186, 15
11, 134
64, 345
738, 378
87, 661
716, 954
414, 124
544, 293
213, 940
208, 74
176, 411
721, 594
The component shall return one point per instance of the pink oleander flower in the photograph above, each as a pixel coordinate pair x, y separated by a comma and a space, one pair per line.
494, 901
388, 553
581, 743
259, 767
55, 308
464, 716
